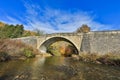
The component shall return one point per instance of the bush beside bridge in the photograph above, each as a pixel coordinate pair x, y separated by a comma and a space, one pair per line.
11, 49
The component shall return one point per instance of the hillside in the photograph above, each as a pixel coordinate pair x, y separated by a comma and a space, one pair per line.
15, 31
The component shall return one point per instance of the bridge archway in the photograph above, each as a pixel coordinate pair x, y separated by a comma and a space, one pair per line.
43, 47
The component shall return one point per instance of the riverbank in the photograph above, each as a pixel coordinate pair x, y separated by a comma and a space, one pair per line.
107, 59
15, 49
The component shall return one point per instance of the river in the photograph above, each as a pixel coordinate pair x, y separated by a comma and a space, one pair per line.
56, 68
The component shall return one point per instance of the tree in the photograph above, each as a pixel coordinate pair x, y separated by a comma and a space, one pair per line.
15, 31
11, 31
39, 32
84, 28
18, 31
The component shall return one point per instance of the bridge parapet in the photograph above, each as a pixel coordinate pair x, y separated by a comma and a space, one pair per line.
63, 34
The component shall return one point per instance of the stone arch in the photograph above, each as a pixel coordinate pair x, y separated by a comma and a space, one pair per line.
43, 47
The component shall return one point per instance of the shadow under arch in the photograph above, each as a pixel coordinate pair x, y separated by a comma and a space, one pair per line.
43, 47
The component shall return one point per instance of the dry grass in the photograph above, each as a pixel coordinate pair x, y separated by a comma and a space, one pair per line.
109, 58
89, 57
15, 48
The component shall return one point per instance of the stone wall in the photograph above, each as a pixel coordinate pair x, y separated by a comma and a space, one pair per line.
31, 41
101, 42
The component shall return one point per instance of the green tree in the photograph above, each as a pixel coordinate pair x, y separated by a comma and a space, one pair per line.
18, 30
11, 31
15, 31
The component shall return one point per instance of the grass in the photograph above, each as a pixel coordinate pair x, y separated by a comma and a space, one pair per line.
15, 49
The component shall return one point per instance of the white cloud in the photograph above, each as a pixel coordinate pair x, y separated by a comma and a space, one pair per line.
12, 20
52, 20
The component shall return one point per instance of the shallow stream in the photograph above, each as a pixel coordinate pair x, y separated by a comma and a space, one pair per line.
56, 68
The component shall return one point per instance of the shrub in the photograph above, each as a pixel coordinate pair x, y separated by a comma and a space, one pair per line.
16, 49
4, 56
28, 53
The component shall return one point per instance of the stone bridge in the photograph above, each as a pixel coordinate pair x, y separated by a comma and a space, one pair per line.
44, 41
92, 42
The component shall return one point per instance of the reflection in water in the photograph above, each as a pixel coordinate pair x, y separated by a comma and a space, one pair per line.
56, 68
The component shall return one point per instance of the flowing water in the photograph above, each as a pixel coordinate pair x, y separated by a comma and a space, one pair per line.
56, 68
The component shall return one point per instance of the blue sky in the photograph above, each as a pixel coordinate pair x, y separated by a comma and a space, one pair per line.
61, 15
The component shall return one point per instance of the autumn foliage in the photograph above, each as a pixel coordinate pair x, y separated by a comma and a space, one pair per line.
66, 50
84, 28
2, 24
